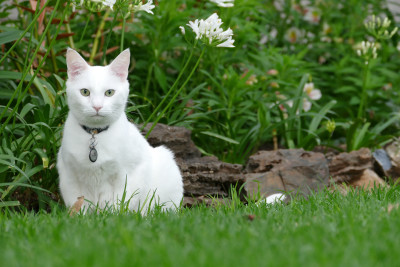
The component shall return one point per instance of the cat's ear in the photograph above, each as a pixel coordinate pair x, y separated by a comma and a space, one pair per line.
120, 65
75, 64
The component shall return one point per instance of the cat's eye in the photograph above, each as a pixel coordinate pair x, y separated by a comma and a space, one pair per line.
109, 92
85, 92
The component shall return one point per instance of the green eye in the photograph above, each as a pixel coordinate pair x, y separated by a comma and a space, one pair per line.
85, 92
110, 92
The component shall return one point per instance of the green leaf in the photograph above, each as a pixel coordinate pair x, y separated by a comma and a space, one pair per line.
320, 115
161, 79
25, 185
9, 36
224, 138
9, 204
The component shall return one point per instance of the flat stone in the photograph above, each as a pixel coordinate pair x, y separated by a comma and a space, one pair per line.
368, 180
178, 139
346, 167
288, 170
209, 176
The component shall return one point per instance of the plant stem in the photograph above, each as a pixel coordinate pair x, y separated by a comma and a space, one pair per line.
171, 89
363, 100
84, 29
122, 34
97, 37
52, 53
103, 58
149, 74
177, 92
70, 39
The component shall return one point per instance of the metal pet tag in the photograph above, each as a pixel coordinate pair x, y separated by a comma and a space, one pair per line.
93, 154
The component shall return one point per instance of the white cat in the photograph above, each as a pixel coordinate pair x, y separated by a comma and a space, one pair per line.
102, 151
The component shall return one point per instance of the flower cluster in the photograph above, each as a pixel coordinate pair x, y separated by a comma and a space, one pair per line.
210, 32
380, 28
138, 6
99, 5
223, 3
367, 50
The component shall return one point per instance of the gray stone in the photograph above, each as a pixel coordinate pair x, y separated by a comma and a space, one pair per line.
209, 176
382, 159
393, 152
288, 170
178, 139
346, 167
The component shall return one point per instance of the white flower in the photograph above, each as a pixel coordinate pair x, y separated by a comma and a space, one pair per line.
312, 92
195, 27
306, 105
367, 50
293, 35
93, 5
109, 3
223, 3
313, 15
209, 30
146, 7
227, 43
182, 29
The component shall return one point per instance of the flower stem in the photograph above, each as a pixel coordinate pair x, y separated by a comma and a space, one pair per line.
363, 100
84, 29
103, 58
97, 37
122, 34
170, 90
177, 92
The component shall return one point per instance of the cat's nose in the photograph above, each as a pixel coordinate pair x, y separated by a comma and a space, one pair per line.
97, 108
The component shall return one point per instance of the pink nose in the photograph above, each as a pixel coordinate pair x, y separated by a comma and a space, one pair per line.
97, 108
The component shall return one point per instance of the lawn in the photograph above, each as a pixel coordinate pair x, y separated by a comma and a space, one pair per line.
328, 229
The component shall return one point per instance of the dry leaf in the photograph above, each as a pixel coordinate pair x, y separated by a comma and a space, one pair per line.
251, 217
77, 206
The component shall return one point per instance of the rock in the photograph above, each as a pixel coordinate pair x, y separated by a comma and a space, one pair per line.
288, 170
202, 176
368, 180
382, 160
177, 139
346, 167
209, 176
392, 169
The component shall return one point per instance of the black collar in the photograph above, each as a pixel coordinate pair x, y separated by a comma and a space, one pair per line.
94, 130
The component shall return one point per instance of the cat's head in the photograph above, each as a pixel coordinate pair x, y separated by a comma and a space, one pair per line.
97, 95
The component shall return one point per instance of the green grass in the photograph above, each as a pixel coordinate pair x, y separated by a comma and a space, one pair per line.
326, 230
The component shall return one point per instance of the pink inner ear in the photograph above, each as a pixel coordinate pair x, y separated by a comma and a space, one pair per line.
75, 69
120, 65
119, 70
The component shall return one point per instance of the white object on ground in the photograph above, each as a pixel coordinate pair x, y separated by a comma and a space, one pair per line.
275, 198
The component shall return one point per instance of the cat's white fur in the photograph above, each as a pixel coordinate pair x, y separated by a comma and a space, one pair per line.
124, 156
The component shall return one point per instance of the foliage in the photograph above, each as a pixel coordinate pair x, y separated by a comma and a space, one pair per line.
235, 100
